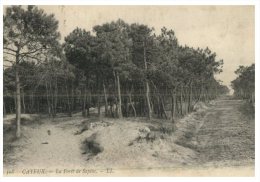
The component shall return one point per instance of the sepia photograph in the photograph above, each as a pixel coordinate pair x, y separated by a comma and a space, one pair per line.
128, 90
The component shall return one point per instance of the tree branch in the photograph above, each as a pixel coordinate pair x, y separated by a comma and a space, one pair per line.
9, 53
32, 57
6, 60
9, 49
34, 51
7, 66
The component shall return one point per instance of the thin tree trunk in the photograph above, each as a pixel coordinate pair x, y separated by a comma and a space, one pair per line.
55, 97
111, 109
148, 100
132, 105
181, 101
119, 109
72, 98
139, 106
51, 95
131, 102
30, 108
84, 102
68, 100
173, 106
190, 99
160, 101
48, 101
163, 107
88, 101
147, 86
158, 107
99, 106
126, 107
151, 102
105, 95
18, 99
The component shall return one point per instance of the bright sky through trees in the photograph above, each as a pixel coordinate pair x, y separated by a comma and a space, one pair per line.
228, 30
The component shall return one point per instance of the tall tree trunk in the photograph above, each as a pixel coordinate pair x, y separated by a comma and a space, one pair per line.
88, 101
140, 104
160, 101
147, 85
148, 100
190, 99
173, 109
72, 99
55, 97
119, 109
84, 102
98, 96
68, 99
126, 107
48, 100
51, 95
158, 106
163, 107
181, 101
105, 95
131, 103
18, 99
30, 107
99, 106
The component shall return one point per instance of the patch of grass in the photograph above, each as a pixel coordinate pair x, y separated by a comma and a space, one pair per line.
163, 129
8, 139
9, 131
188, 135
7, 149
167, 129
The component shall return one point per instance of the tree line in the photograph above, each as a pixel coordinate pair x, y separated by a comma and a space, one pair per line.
121, 69
244, 84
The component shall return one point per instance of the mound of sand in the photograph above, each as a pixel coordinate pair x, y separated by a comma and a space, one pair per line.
128, 144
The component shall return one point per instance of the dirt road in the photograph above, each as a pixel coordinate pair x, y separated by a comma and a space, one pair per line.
226, 137
214, 136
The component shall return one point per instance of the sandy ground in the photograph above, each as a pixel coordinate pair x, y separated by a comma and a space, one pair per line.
212, 140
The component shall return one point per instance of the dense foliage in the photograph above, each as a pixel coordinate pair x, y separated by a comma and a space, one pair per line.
125, 69
244, 84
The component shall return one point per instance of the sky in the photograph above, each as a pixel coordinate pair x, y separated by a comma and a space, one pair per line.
226, 30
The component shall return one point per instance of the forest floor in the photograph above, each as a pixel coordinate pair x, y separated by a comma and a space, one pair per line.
215, 140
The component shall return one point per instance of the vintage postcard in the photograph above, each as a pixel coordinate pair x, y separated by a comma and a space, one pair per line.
128, 90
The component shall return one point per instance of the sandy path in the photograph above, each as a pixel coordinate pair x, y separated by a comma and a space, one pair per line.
225, 138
